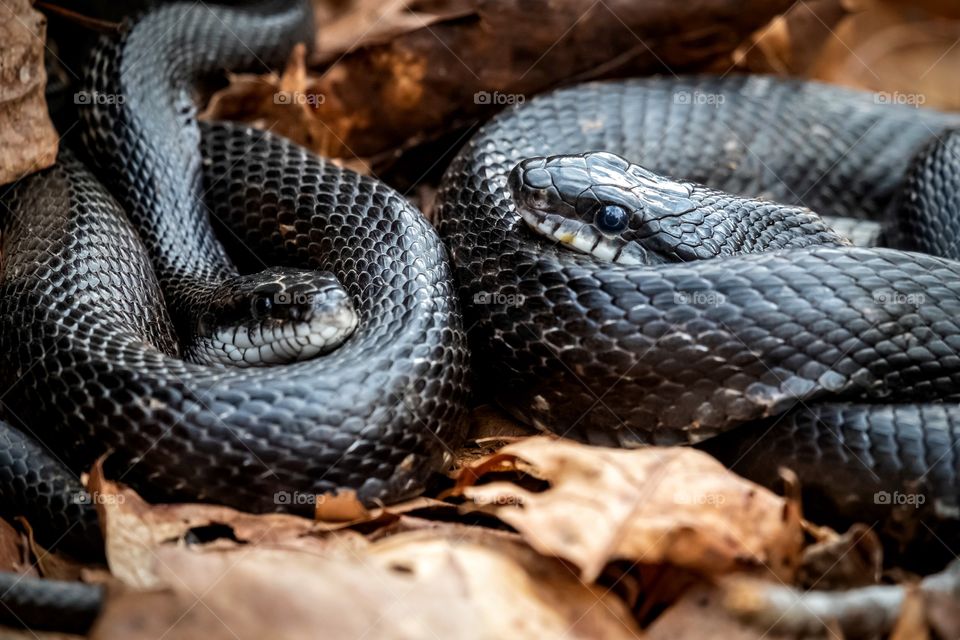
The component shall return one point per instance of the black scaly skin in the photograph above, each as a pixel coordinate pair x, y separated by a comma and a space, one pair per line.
55, 605
679, 352
931, 202
86, 340
36, 485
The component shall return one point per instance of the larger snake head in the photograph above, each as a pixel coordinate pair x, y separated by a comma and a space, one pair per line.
599, 203
275, 316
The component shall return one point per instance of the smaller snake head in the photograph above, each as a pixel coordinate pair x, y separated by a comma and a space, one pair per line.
601, 204
276, 316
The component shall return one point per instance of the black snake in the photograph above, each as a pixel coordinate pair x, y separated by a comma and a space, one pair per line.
618, 306
95, 305
844, 354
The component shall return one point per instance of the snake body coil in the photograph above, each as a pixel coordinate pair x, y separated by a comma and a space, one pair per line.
857, 350
90, 350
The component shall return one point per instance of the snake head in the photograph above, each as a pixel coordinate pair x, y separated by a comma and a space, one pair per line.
598, 203
275, 316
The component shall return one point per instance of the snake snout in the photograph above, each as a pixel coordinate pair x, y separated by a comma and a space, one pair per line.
273, 317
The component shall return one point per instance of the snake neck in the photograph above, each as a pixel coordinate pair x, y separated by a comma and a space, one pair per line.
142, 134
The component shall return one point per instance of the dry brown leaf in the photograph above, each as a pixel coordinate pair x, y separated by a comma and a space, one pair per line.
942, 597
134, 530
656, 505
13, 549
409, 586
285, 105
28, 141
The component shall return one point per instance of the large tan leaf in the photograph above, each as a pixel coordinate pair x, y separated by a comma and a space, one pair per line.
418, 585
656, 505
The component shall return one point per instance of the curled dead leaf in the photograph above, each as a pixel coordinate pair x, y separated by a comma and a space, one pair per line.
658, 505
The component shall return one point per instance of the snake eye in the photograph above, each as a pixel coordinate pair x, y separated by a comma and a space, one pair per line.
262, 305
612, 218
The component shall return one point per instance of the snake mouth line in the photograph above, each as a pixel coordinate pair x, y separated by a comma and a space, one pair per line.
277, 343
583, 237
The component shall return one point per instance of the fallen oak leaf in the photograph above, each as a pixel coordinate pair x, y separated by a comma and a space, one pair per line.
416, 585
656, 505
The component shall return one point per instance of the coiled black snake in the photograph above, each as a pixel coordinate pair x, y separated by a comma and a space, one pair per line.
618, 306
691, 312
92, 306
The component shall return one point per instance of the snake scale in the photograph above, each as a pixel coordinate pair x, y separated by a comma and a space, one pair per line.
694, 309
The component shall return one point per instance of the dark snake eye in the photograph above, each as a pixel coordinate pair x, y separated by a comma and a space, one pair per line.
612, 218
262, 305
